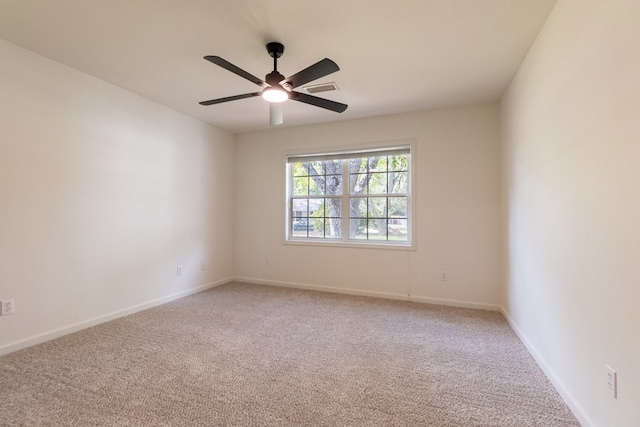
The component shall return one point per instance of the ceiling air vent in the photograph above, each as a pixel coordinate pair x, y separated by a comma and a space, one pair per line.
322, 87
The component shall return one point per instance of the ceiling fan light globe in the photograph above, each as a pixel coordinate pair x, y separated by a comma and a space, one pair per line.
275, 95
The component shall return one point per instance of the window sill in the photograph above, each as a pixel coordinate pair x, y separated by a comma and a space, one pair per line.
350, 244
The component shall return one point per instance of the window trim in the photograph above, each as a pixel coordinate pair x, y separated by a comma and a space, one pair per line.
332, 153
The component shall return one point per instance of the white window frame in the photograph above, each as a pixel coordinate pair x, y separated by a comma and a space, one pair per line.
339, 153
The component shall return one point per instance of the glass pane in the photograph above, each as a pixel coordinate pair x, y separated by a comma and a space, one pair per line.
358, 183
316, 227
300, 207
398, 207
358, 229
314, 168
398, 163
316, 208
333, 208
397, 229
377, 229
299, 227
377, 207
358, 207
316, 185
333, 167
300, 186
377, 183
299, 169
397, 182
333, 185
377, 164
333, 228
357, 165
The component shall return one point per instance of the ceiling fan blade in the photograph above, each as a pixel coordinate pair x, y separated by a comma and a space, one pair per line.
314, 72
318, 102
229, 98
275, 113
236, 70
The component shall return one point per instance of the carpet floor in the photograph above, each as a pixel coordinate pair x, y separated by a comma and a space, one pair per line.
250, 355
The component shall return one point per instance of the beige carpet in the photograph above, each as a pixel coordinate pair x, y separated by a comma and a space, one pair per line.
248, 355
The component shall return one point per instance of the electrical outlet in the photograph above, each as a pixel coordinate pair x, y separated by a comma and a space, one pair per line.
179, 270
8, 306
612, 382
203, 266
266, 262
444, 276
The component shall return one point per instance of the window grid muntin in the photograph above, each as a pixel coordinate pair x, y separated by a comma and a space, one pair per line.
391, 165
386, 218
325, 218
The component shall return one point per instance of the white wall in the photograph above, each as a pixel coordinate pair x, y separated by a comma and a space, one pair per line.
102, 195
571, 127
458, 210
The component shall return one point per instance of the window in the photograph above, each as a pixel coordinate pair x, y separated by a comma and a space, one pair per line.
360, 197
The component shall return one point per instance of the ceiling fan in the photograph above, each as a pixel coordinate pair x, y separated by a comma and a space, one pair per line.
277, 89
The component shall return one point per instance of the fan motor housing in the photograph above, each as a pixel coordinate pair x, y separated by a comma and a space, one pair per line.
274, 78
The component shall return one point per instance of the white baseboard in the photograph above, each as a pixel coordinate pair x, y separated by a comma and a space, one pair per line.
456, 303
375, 294
568, 398
47, 336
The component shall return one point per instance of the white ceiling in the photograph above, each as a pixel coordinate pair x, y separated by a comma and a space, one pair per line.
394, 56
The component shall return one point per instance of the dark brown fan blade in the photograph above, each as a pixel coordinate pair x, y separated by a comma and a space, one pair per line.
314, 72
239, 71
229, 98
318, 102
